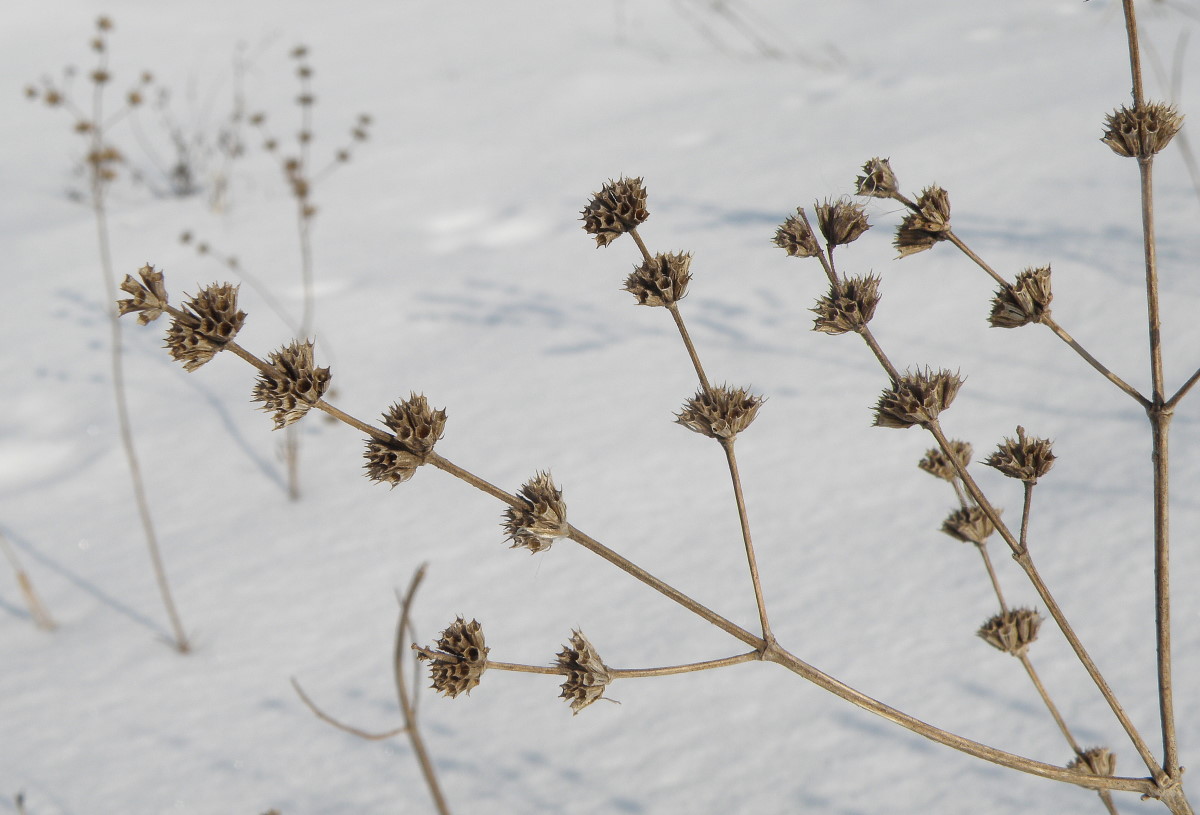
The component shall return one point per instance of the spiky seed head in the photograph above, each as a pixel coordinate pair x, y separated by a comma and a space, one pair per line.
939, 465
927, 225
542, 518
208, 322
917, 398
848, 306
619, 207
1141, 131
1095, 761
149, 296
1026, 301
1012, 631
877, 180
416, 428
587, 675
795, 236
662, 280
459, 659
933, 207
720, 413
1025, 458
841, 221
295, 385
969, 525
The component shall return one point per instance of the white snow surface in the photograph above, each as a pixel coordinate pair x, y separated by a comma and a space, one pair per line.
450, 261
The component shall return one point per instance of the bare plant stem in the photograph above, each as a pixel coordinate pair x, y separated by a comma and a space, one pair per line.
691, 349
615, 673
727, 446
1024, 541
37, 611
987, 562
352, 730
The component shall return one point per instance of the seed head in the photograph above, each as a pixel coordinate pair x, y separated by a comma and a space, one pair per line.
878, 180
841, 221
294, 387
938, 464
917, 398
1026, 301
795, 236
1025, 458
587, 676
969, 525
1012, 631
1096, 761
847, 307
100, 76
720, 413
416, 428
459, 659
208, 322
619, 207
149, 296
661, 281
542, 518
921, 229
1141, 131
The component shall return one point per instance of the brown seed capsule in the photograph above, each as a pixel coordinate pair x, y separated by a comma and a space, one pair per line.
1024, 458
416, 428
662, 280
149, 297
208, 322
921, 229
841, 221
587, 676
1095, 761
796, 237
1026, 301
917, 398
720, 413
541, 520
100, 76
459, 659
969, 525
619, 207
294, 387
938, 464
877, 180
847, 307
1012, 631
1142, 131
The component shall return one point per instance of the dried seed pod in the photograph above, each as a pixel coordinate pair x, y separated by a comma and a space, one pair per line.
661, 281
720, 413
921, 229
208, 322
1096, 761
917, 398
587, 675
1012, 631
459, 659
149, 297
619, 207
1026, 301
848, 306
841, 221
1141, 131
969, 525
938, 464
796, 237
541, 520
877, 180
294, 387
1024, 458
416, 428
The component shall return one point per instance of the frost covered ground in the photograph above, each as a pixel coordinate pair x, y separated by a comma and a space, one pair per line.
450, 261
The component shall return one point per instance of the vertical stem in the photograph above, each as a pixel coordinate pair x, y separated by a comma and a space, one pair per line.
1160, 422
727, 445
691, 349
987, 561
1135, 60
1041, 689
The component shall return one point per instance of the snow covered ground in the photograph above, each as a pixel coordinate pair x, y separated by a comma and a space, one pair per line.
450, 261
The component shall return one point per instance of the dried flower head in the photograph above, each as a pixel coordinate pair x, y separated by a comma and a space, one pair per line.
1141, 131
294, 387
1025, 458
848, 306
149, 297
877, 180
917, 398
795, 236
927, 225
938, 464
662, 280
969, 525
841, 221
459, 659
1012, 631
416, 428
542, 518
619, 207
207, 323
100, 76
1095, 761
720, 413
587, 676
1026, 301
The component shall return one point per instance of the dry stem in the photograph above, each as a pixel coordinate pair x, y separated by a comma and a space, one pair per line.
37, 611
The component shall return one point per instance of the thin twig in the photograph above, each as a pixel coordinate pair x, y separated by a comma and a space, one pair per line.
37, 611
743, 518
325, 717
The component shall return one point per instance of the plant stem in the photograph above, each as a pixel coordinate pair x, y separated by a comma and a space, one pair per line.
691, 349
37, 611
743, 518
987, 561
619, 673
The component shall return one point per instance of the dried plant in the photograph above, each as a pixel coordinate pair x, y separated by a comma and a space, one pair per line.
37, 610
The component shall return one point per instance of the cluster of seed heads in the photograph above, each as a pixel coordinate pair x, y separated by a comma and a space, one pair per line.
916, 398
459, 659
587, 675
795, 236
939, 465
1026, 301
841, 221
416, 428
849, 306
619, 207
1141, 131
721, 412
926, 225
295, 384
969, 525
877, 180
542, 517
1012, 631
205, 325
149, 298
1025, 458
662, 280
